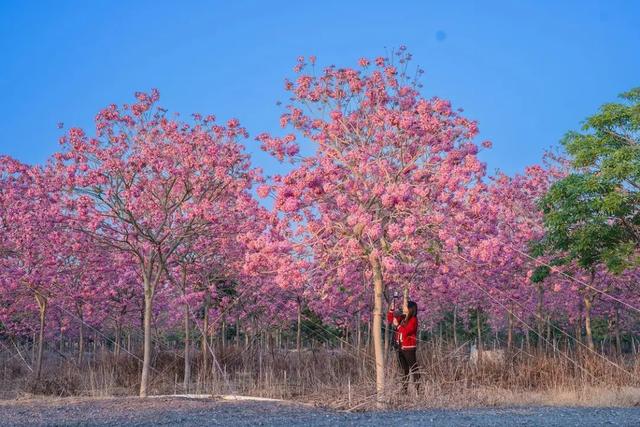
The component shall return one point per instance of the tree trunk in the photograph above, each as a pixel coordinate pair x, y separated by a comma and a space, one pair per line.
299, 328
509, 331
237, 333
147, 321
187, 349
212, 337
118, 339
587, 321
617, 332
359, 328
378, 287
579, 324
548, 321
81, 343
479, 330
405, 297
539, 315
42, 305
455, 326
223, 334
205, 331
269, 339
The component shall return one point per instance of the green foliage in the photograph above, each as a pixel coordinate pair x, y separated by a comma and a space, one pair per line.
540, 273
314, 328
593, 214
445, 327
485, 327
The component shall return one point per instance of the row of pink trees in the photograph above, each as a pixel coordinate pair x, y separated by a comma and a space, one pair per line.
394, 194
147, 197
154, 213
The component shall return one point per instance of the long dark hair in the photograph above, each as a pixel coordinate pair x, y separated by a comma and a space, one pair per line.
413, 309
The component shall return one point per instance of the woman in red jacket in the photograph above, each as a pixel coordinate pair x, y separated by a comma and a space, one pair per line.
406, 328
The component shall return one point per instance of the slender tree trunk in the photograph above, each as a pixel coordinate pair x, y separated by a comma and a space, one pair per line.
587, 321
540, 316
299, 328
378, 287
347, 335
548, 322
61, 343
509, 330
205, 331
359, 327
42, 305
223, 334
211, 336
118, 339
579, 324
187, 349
203, 343
81, 343
455, 326
617, 332
479, 330
237, 333
80, 333
149, 288
269, 340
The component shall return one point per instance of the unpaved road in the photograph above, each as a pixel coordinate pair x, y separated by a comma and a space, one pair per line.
190, 412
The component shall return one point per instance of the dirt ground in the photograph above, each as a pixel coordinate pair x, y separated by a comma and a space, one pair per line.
197, 412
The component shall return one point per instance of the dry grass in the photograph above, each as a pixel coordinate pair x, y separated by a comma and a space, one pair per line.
345, 379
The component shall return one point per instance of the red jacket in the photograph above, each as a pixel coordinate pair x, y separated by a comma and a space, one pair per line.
406, 331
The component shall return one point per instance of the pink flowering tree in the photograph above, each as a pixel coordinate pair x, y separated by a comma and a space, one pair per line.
208, 269
388, 169
34, 233
146, 183
516, 224
278, 270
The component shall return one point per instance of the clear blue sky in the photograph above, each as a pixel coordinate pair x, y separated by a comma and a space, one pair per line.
528, 71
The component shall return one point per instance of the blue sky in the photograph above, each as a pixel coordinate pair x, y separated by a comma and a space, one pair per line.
528, 71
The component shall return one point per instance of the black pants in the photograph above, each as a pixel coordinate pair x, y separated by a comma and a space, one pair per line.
409, 367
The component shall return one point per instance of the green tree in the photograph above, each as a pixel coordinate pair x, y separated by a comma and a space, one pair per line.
593, 214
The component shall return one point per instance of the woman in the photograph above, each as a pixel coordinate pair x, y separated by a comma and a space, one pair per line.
406, 328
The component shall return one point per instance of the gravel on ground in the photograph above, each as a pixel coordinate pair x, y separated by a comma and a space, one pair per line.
200, 412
